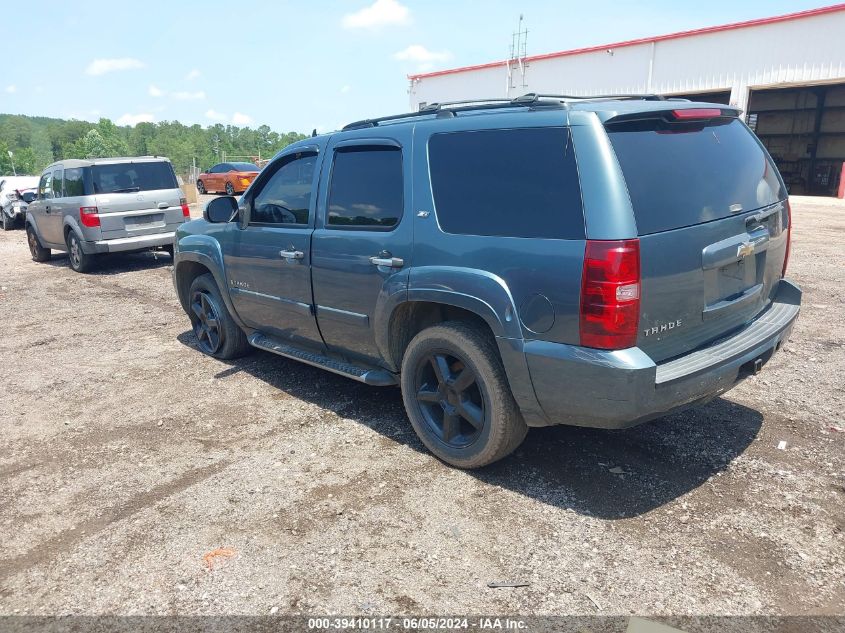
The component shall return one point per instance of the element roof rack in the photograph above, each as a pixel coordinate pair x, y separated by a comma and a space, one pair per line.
532, 100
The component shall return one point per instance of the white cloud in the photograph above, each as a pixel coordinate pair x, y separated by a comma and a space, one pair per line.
135, 119
155, 91
188, 96
214, 115
11, 88
241, 119
193, 74
345, 89
380, 13
421, 55
103, 66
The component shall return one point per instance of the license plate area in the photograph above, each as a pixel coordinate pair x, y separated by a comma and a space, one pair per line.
137, 222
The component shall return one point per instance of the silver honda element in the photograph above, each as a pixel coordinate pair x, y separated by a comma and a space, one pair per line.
105, 205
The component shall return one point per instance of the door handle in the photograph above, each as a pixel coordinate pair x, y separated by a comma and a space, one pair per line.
292, 254
390, 262
47, 209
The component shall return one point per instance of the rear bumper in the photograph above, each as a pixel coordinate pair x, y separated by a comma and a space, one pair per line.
618, 389
123, 244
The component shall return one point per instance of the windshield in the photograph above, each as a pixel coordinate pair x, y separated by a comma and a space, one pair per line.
132, 177
245, 167
684, 174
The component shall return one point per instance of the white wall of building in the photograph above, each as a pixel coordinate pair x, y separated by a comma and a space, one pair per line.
797, 51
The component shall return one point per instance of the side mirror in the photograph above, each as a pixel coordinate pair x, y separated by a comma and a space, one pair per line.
29, 197
221, 209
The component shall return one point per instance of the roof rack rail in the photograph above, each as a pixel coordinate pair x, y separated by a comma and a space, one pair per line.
642, 97
450, 108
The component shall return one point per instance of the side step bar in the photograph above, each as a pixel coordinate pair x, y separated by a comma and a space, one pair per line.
374, 377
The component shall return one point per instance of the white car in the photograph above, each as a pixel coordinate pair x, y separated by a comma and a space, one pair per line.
12, 207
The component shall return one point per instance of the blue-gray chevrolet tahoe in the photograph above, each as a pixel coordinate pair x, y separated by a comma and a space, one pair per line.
509, 264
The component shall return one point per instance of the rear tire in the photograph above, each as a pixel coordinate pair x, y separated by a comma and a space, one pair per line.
467, 420
39, 253
200, 187
230, 190
77, 258
217, 333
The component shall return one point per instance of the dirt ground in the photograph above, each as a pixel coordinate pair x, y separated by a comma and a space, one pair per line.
138, 476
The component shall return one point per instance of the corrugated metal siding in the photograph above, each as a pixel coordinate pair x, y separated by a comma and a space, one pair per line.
801, 51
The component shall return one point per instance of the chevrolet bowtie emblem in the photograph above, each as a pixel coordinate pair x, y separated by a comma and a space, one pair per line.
744, 250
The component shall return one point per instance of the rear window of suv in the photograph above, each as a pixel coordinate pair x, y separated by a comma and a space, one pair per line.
510, 183
132, 177
684, 174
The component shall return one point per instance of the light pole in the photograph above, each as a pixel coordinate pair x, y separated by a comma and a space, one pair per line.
12, 158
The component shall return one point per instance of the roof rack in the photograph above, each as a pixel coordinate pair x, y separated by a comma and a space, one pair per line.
531, 99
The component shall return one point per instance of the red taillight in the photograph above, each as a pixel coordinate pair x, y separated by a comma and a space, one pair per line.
610, 294
788, 237
89, 216
696, 113
185, 210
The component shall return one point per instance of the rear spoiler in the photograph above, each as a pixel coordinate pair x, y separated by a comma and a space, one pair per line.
674, 112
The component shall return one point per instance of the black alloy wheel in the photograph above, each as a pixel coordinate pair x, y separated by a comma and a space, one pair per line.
450, 399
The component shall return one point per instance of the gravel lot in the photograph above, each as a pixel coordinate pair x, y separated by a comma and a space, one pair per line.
127, 457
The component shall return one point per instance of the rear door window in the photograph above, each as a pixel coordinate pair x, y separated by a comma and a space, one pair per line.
74, 182
133, 177
366, 189
512, 183
684, 174
58, 182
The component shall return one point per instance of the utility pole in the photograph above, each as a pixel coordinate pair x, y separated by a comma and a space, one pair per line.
12, 158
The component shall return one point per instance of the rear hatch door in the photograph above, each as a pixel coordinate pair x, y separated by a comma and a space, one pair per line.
137, 198
711, 213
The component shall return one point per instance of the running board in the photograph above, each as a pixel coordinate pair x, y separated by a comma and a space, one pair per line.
374, 377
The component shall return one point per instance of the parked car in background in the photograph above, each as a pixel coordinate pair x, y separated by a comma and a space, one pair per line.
595, 262
12, 204
105, 205
230, 178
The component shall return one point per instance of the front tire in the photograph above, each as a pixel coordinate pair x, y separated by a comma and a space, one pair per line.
8, 223
39, 253
217, 333
230, 190
457, 396
77, 258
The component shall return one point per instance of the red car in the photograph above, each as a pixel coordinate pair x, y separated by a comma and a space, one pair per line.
229, 177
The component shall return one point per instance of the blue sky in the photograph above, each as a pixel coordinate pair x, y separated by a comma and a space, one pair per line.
295, 65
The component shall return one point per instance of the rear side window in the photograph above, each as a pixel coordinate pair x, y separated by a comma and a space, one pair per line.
366, 190
684, 174
132, 177
58, 180
511, 183
74, 182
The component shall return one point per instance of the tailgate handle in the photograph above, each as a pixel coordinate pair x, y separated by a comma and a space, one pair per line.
758, 218
163, 205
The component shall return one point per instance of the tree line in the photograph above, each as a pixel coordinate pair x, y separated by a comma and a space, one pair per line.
35, 142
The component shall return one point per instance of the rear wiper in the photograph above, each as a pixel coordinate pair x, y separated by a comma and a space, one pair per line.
127, 190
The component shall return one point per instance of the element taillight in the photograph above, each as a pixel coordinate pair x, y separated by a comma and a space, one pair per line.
610, 294
89, 216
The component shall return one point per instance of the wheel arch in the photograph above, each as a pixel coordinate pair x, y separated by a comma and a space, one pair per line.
195, 257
